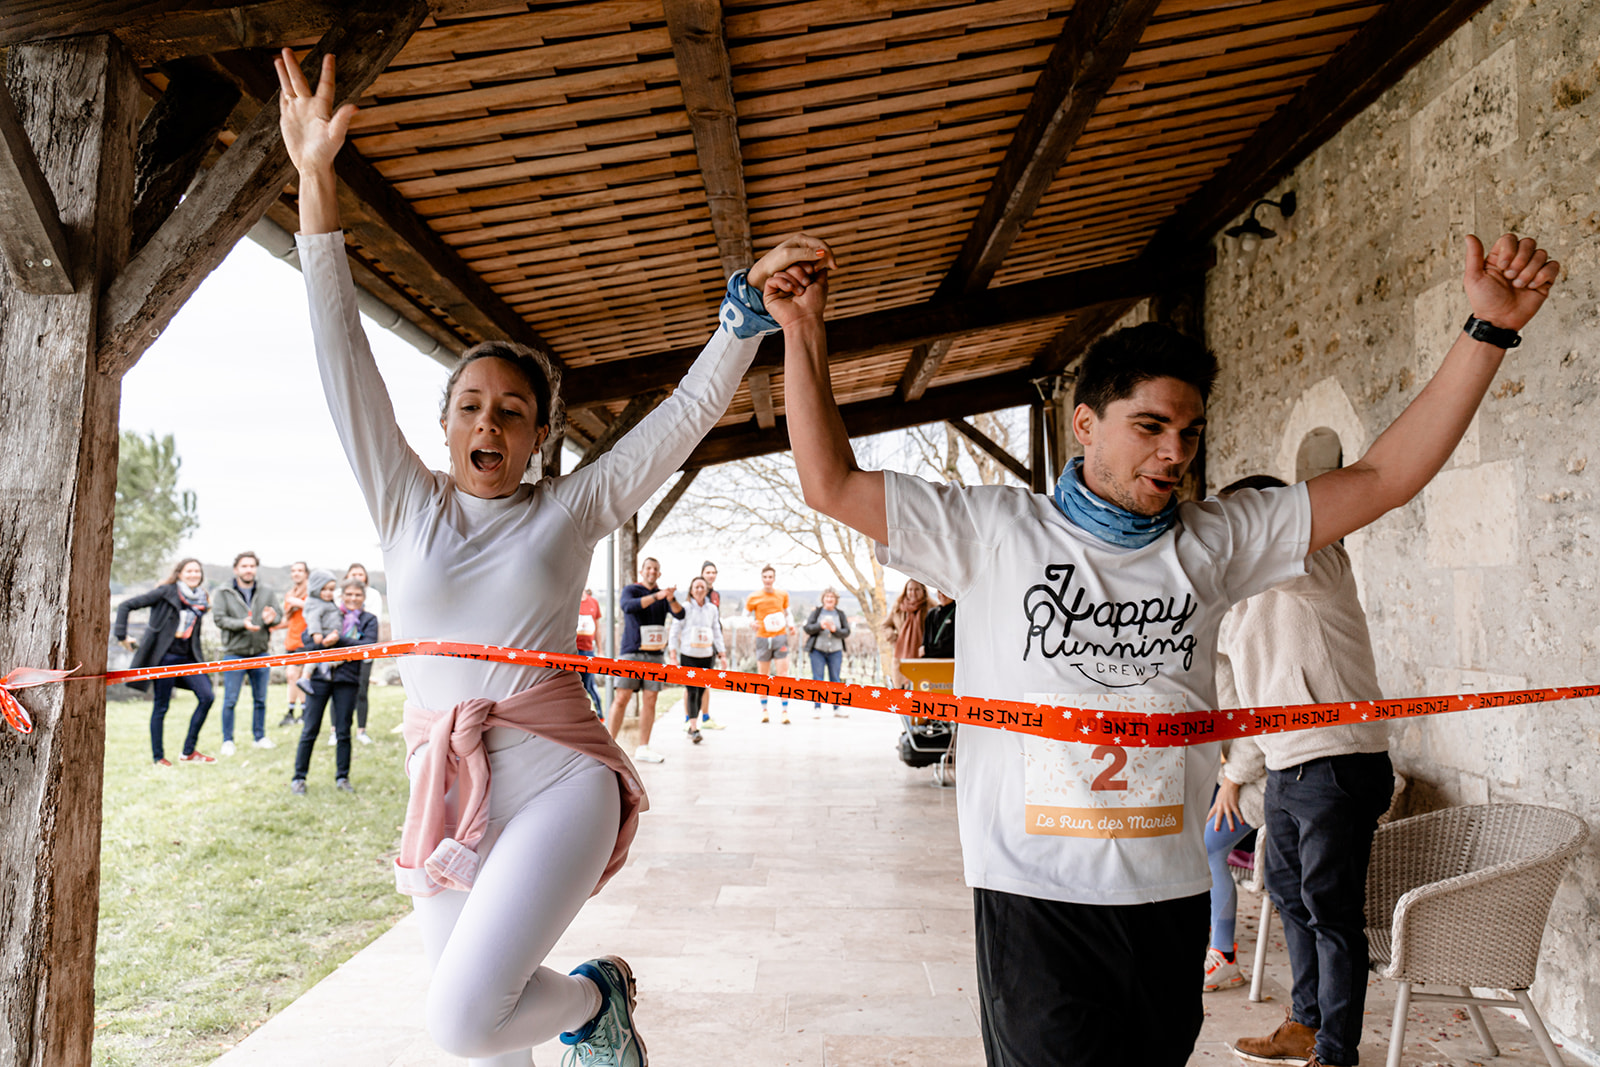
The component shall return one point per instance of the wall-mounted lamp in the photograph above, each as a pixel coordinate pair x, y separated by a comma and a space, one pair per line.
1250, 232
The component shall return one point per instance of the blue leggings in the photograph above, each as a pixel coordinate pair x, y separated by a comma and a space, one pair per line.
1224, 894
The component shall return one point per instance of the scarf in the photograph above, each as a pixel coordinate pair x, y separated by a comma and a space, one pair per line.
195, 603
1105, 520
350, 623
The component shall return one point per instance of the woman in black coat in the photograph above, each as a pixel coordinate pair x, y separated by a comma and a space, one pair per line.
172, 635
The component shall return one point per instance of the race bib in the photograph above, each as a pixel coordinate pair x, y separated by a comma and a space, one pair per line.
775, 623
652, 638
585, 625
699, 641
1098, 787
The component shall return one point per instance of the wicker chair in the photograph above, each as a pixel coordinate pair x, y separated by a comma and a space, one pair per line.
1459, 897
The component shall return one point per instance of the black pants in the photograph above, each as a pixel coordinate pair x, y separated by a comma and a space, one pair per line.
198, 684
1321, 816
361, 694
1089, 985
343, 695
692, 696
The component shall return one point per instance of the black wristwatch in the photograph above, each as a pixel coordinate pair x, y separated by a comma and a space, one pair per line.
1491, 334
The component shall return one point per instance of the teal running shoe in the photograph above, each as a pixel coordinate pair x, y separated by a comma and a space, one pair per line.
609, 1039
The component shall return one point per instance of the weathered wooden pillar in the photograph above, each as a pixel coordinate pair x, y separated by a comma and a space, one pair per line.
77, 102
1037, 460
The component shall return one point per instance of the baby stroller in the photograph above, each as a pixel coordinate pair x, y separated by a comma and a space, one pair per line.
929, 742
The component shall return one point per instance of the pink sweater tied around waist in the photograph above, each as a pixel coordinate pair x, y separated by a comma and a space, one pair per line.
436, 855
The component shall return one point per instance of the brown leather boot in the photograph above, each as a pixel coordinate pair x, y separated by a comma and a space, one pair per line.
1289, 1043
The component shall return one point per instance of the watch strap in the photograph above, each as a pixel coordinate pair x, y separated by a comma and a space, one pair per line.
1491, 334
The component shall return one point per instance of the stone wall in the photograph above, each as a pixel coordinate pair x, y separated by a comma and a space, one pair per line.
1488, 579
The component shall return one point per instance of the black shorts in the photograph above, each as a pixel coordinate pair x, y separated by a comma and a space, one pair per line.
1087, 985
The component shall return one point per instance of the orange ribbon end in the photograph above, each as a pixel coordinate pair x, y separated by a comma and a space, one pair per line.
16, 715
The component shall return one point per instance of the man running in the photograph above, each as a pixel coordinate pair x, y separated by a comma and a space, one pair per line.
770, 609
1086, 861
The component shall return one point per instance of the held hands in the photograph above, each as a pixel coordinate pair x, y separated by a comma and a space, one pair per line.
793, 278
312, 131
1509, 284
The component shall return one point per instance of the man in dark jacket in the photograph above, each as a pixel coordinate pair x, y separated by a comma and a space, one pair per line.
356, 627
245, 614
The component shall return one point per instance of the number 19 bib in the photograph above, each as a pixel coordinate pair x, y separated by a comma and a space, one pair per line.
1097, 787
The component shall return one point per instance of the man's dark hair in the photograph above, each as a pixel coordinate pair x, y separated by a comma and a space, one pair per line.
1253, 481
246, 555
1119, 361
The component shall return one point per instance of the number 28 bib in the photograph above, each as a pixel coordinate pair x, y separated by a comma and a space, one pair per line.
1100, 789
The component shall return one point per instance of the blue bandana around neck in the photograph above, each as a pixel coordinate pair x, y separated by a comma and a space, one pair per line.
1104, 519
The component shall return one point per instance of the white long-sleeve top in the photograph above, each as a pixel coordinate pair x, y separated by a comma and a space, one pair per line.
503, 572
695, 615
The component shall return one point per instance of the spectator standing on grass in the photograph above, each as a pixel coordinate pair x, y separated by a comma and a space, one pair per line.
708, 571
245, 614
769, 607
355, 627
171, 637
294, 628
322, 624
589, 617
826, 632
645, 610
357, 572
905, 627
696, 641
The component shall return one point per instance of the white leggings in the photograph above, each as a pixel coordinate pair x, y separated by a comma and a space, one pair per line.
553, 817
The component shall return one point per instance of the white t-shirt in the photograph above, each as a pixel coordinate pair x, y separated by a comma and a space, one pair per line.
501, 572
1052, 614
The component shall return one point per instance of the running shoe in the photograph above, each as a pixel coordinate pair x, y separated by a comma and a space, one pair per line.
228, 749
364, 738
288, 719
609, 1039
708, 723
196, 757
343, 785
298, 787
163, 763
266, 742
646, 754
1221, 973
694, 736
839, 713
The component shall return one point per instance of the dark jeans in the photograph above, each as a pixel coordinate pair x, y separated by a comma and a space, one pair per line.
343, 695
825, 665
694, 696
1321, 816
198, 684
232, 683
588, 685
361, 694
1065, 985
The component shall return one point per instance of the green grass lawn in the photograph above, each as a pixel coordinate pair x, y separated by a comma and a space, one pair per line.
223, 896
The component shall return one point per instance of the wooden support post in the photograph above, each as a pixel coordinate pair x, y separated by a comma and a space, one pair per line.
991, 446
78, 102
1040, 482
31, 241
628, 552
760, 383
668, 502
637, 409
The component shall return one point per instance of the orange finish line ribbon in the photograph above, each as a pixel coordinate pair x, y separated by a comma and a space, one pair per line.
1039, 720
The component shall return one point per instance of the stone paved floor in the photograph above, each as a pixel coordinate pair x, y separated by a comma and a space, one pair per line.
794, 898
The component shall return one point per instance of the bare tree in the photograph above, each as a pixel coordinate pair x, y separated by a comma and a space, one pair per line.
941, 451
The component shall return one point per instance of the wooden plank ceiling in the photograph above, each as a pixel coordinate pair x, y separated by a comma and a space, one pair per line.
997, 177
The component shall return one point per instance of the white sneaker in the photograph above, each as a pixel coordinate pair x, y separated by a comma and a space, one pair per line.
1220, 974
266, 742
646, 754
363, 738
839, 713
227, 748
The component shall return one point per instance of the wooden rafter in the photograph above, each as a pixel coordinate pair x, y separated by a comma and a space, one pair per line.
32, 241
1075, 337
668, 502
1090, 53
921, 368
760, 383
703, 71
174, 140
992, 447
640, 406
1389, 44
233, 194
878, 332
872, 416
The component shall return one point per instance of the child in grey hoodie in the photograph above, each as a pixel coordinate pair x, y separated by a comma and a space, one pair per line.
322, 622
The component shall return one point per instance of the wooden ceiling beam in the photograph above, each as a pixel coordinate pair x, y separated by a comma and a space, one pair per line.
1066, 347
228, 199
32, 240
158, 30
641, 405
1381, 52
992, 447
1093, 47
878, 332
872, 416
174, 140
707, 80
921, 368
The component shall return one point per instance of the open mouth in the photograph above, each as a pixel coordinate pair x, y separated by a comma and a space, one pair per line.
1162, 485
486, 460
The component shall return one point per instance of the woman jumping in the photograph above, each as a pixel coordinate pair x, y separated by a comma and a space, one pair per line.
499, 872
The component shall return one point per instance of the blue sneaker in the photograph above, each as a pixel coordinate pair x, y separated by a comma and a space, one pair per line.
609, 1039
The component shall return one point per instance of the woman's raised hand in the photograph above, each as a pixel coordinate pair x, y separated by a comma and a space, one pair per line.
793, 277
313, 131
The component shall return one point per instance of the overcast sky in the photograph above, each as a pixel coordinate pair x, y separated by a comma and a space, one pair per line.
234, 380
